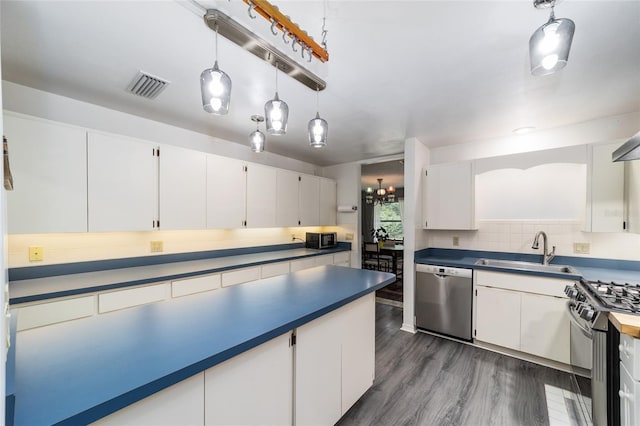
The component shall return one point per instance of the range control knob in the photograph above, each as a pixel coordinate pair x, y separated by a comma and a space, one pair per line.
580, 297
571, 291
588, 314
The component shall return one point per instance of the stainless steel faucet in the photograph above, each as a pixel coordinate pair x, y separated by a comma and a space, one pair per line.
546, 257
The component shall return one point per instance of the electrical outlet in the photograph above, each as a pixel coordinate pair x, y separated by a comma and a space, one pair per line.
348, 237
456, 241
293, 237
36, 254
581, 248
156, 246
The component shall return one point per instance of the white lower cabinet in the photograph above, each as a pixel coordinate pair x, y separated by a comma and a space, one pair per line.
498, 317
629, 389
335, 362
240, 276
253, 388
524, 313
179, 405
300, 264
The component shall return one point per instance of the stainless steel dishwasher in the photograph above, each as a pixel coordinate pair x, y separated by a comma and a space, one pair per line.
444, 298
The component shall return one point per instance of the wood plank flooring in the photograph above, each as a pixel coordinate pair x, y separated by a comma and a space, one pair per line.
427, 380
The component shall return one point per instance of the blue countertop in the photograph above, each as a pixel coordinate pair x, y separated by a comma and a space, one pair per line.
592, 269
79, 371
46, 282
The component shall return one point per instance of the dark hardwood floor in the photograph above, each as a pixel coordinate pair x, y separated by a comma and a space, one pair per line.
427, 380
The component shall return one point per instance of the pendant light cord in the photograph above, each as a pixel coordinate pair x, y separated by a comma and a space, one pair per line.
318, 99
277, 76
216, 44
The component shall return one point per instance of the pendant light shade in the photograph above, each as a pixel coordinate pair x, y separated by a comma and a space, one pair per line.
215, 86
318, 130
216, 90
318, 127
257, 138
276, 113
550, 44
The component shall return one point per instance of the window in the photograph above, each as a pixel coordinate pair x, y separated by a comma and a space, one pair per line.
390, 218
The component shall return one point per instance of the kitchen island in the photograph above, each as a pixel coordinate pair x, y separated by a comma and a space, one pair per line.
80, 371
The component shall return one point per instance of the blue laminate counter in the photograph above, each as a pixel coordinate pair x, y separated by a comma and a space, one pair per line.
79, 371
588, 268
46, 282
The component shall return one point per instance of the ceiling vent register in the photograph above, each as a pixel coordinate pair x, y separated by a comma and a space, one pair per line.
147, 85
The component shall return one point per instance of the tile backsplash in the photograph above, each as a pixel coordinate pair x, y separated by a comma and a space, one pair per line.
517, 236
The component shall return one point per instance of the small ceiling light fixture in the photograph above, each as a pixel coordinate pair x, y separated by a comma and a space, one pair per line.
318, 127
215, 86
550, 44
382, 195
277, 113
523, 130
257, 138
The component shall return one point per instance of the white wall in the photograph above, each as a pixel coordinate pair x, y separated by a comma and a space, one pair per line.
3, 269
54, 107
416, 156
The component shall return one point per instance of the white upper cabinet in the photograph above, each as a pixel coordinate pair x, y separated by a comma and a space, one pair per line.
183, 194
287, 198
328, 202
122, 183
605, 191
449, 196
261, 196
49, 167
226, 192
633, 196
309, 199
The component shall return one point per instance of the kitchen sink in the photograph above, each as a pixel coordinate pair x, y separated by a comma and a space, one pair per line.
528, 266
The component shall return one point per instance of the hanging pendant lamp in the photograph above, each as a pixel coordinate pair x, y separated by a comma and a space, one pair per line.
257, 138
550, 44
215, 86
318, 127
276, 113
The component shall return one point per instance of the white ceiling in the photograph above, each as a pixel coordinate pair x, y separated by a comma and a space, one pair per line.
446, 72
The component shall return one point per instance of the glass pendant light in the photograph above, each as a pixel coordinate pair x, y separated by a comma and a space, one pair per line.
276, 113
550, 44
318, 127
215, 86
257, 138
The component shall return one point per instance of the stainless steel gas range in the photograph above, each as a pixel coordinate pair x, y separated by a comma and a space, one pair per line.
588, 306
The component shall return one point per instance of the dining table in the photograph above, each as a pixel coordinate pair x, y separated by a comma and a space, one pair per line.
396, 252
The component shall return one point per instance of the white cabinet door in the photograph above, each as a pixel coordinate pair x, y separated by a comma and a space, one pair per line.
629, 398
545, 325
261, 196
287, 198
328, 202
633, 196
179, 405
449, 196
49, 167
253, 388
358, 349
122, 184
183, 177
318, 354
226, 192
309, 201
498, 317
605, 191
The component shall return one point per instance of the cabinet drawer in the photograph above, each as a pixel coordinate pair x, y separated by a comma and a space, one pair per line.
324, 260
344, 256
521, 282
630, 355
240, 276
54, 312
274, 269
299, 265
195, 285
115, 300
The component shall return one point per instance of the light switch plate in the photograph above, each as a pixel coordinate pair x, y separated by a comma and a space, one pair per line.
36, 254
156, 246
581, 248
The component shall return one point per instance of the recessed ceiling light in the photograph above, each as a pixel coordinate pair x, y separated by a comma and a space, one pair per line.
523, 130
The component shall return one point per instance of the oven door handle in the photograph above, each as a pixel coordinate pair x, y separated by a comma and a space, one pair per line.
577, 321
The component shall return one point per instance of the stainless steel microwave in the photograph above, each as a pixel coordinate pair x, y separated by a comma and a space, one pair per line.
321, 240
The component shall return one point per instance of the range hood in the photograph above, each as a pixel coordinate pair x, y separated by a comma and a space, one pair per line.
630, 150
